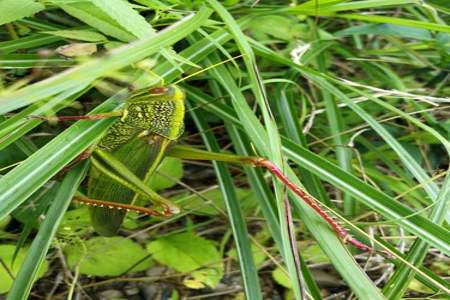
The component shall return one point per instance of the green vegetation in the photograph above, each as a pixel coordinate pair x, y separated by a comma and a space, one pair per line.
348, 98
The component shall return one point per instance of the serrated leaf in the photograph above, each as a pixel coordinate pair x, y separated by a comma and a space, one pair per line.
82, 35
102, 256
187, 252
11, 10
6, 255
171, 167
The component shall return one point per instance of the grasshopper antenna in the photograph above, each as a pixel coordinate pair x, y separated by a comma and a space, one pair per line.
208, 68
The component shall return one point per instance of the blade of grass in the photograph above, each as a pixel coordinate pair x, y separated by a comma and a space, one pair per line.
18, 125
265, 197
397, 21
274, 149
28, 42
368, 195
336, 125
38, 250
326, 238
401, 279
17, 185
249, 273
377, 200
327, 83
96, 68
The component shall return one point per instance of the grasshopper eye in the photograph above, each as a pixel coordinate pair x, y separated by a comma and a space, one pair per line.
158, 90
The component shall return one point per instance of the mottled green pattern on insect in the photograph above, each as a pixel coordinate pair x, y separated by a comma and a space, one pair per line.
151, 121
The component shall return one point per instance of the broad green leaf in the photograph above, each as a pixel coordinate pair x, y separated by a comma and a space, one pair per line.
169, 171
11, 10
97, 18
41, 243
112, 256
259, 256
6, 255
188, 252
123, 13
75, 222
82, 35
280, 277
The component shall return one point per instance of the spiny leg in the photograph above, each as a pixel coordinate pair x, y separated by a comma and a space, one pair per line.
122, 175
313, 203
168, 210
196, 154
122, 206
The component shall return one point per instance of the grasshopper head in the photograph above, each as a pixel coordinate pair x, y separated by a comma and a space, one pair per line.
158, 93
159, 110
171, 92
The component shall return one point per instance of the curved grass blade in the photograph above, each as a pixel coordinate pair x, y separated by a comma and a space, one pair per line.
18, 125
377, 200
38, 250
249, 273
96, 68
328, 241
30, 175
265, 198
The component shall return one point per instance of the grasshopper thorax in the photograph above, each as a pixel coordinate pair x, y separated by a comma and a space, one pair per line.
154, 111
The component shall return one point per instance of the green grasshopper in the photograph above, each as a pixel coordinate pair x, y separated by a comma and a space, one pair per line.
143, 134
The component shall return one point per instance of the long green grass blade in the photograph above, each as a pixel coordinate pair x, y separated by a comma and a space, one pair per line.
369, 196
41, 243
31, 174
249, 273
97, 68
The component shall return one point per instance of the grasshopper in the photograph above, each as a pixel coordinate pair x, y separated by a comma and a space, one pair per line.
145, 131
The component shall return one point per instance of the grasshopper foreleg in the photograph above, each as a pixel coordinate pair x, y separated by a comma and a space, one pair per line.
83, 156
